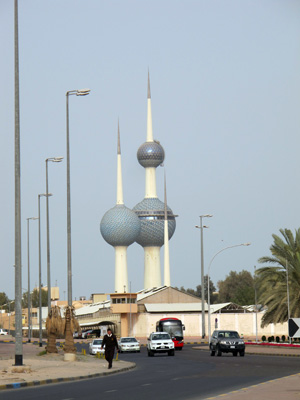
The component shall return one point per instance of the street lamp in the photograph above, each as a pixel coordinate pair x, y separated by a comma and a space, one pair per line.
288, 294
40, 270
202, 270
56, 160
81, 92
17, 165
28, 296
208, 288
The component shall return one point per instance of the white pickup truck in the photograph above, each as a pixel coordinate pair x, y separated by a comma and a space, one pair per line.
160, 342
3, 332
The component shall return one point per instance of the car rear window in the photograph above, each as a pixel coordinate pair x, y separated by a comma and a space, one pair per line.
228, 334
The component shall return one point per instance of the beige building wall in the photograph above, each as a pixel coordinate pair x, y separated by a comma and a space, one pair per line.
244, 323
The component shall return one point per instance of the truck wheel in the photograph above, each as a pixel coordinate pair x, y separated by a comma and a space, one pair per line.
242, 353
171, 353
150, 353
219, 352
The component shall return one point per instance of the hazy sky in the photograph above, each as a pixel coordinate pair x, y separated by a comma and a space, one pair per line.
225, 86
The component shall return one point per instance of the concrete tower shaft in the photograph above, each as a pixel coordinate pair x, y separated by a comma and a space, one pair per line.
120, 227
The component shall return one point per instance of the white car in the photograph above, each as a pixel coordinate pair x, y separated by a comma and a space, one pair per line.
160, 342
95, 346
129, 344
3, 332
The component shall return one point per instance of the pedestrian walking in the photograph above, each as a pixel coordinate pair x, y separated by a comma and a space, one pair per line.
110, 342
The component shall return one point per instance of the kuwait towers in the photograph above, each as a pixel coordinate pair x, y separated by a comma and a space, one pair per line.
151, 211
120, 227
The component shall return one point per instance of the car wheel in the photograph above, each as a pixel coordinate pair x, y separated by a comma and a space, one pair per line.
234, 353
242, 353
150, 353
219, 352
171, 353
179, 348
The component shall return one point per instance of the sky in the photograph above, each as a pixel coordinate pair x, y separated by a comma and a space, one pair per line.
225, 88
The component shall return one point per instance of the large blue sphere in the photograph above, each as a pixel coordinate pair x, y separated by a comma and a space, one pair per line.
151, 214
120, 226
150, 154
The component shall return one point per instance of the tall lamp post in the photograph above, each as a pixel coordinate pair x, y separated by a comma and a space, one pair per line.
28, 296
40, 271
81, 92
208, 275
256, 307
288, 294
202, 271
17, 165
56, 160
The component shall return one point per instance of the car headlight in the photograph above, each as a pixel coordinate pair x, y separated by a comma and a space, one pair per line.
223, 342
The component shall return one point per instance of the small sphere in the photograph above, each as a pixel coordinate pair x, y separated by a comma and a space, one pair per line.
120, 226
150, 154
151, 214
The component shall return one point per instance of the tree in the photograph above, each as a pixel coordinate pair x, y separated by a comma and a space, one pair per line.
4, 300
198, 291
272, 280
238, 287
35, 298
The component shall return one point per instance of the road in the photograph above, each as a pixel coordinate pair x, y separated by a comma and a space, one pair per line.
190, 375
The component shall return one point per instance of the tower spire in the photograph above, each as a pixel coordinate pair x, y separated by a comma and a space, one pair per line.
149, 92
149, 113
119, 171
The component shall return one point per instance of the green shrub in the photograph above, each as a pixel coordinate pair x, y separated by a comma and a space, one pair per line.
283, 338
277, 339
263, 338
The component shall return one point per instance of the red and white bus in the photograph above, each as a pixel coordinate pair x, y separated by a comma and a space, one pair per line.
174, 327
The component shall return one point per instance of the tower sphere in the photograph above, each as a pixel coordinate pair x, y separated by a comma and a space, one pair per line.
151, 154
120, 226
151, 214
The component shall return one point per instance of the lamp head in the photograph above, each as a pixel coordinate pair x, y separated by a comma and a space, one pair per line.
83, 92
58, 159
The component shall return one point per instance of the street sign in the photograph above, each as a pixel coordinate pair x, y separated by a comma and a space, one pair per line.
294, 327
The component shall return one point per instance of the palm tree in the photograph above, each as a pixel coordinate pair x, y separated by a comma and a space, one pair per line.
272, 280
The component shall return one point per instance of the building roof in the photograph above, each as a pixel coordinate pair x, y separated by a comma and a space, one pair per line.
227, 307
175, 307
92, 308
193, 307
149, 292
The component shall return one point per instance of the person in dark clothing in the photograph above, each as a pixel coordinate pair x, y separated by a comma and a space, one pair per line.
110, 342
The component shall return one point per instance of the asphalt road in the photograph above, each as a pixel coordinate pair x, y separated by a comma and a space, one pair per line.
189, 375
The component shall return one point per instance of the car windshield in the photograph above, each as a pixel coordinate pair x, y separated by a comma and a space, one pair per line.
97, 342
161, 337
230, 334
128, 340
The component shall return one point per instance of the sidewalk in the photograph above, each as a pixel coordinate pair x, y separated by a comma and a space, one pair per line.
51, 368
287, 388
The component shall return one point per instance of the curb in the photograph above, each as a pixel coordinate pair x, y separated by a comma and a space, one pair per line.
258, 354
17, 385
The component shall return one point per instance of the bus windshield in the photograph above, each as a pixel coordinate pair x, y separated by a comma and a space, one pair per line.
174, 328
